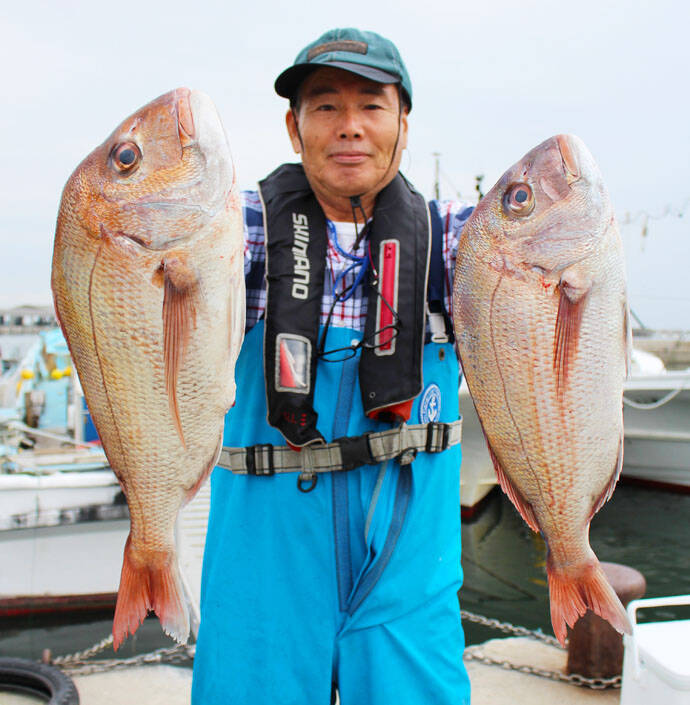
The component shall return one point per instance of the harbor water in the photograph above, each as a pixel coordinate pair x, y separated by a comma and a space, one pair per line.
504, 573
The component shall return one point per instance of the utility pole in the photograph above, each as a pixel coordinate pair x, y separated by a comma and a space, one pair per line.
437, 175
478, 185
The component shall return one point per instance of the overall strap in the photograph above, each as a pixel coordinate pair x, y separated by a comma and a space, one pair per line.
439, 319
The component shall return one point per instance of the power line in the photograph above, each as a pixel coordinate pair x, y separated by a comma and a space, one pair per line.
667, 211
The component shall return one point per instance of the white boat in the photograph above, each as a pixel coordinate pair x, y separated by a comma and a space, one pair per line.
656, 411
63, 525
63, 518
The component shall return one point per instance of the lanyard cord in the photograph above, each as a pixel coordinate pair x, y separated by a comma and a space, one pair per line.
361, 262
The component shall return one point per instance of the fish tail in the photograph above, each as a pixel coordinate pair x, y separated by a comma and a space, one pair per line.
573, 592
150, 585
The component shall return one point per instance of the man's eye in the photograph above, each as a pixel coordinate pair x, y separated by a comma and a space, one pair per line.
372, 106
326, 106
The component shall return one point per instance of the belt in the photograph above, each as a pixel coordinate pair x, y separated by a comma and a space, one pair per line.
401, 443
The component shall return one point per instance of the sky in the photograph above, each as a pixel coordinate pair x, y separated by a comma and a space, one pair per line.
491, 79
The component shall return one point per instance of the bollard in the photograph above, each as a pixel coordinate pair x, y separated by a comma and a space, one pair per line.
595, 648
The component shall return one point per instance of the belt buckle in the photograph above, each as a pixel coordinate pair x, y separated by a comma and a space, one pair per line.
255, 455
433, 428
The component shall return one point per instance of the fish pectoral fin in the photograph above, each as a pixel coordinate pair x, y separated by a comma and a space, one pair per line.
179, 319
514, 495
574, 290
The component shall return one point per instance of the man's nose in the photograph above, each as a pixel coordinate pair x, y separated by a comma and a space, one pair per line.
350, 127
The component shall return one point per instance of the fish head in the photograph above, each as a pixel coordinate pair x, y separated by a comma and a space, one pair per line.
161, 176
547, 211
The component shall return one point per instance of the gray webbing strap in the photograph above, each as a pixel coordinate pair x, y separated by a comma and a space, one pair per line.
402, 443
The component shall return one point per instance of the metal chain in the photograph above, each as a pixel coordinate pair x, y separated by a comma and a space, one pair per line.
509, 628
80, 656
473, 653
78, 663
174, 654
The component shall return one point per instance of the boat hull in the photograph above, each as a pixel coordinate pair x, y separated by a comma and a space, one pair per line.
63, 526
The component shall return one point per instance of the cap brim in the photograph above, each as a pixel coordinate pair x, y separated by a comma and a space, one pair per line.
289, 81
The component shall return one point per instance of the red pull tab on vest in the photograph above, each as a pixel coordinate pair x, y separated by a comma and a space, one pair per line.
388, 283
389, 264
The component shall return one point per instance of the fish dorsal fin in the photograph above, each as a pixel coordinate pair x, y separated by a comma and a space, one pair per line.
611, 485
520, 503
566, 337
179, 318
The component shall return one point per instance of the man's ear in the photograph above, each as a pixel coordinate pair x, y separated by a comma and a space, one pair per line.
403, 129
293, 131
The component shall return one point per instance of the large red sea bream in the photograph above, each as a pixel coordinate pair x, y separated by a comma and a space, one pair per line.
541, 319
149, 289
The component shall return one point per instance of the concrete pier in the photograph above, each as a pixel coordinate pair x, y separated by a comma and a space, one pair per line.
491, 685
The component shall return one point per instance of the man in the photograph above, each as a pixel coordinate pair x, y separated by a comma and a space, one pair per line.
332, 559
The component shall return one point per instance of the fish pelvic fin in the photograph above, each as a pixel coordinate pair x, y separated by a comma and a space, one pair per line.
514, 495
572, 593
179, 319
150, 585
566, 337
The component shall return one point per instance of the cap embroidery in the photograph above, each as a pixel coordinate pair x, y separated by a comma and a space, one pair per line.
343, 45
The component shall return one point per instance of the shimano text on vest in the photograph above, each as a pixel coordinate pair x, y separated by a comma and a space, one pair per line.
300, 281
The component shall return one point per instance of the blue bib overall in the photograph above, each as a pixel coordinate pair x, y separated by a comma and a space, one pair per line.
354, 583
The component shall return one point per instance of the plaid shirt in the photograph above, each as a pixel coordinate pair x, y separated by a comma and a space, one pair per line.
352, 312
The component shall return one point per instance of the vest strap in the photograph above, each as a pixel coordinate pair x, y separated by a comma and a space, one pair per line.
401, 443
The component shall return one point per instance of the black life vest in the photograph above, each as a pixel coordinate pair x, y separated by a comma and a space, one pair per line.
390, 374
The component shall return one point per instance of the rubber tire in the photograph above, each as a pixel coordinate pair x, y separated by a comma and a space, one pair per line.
38, 679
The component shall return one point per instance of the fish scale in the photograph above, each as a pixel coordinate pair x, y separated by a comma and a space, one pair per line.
149, 288
541, 318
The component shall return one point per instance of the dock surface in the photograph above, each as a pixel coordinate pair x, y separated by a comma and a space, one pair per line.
491, 685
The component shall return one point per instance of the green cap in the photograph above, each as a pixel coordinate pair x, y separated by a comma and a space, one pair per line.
365, 53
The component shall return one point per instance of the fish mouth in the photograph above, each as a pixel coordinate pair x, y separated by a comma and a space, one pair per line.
200, 123
185, 117
571, 168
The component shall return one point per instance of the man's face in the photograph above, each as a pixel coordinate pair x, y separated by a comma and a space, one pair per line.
350, 132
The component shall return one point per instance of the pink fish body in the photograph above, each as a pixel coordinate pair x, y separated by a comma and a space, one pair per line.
149, 289
541, 317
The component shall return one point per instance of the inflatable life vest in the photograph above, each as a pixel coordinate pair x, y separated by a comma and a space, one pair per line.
390, 367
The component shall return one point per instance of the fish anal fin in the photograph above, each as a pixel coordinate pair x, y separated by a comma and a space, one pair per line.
627, 338
520, 503
566, 337
572, 593
611, 485
179, 319
149, 585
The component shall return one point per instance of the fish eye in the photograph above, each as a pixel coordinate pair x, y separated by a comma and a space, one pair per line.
519, 199
125, 157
